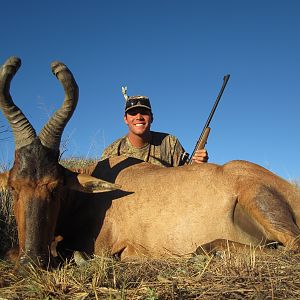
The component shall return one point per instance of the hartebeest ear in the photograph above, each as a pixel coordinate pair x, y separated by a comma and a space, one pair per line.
87, 183
3, 180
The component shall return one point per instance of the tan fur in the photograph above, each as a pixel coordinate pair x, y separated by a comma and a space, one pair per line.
172, 211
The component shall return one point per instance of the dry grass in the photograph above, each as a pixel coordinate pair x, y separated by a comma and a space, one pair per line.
243, 275
8, 229
77, 162
240, 276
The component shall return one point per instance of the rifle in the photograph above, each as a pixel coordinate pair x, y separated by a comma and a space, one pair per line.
206, 130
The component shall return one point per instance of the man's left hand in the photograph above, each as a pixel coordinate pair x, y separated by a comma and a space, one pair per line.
200, 156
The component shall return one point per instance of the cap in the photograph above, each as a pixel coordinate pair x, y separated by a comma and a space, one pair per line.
137, 101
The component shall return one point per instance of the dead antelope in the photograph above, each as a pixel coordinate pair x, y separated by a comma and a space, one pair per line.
155, 212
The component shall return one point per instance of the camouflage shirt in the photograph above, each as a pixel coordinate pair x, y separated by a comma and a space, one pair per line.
163, 149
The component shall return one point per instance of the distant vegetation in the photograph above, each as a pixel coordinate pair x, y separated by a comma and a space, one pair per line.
227, 275
75, 163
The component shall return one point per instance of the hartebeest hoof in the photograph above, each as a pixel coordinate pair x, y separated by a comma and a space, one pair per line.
12, 255
220, 245
80, 258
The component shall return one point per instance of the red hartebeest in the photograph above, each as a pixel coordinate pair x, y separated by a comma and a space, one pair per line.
157, 211
36, 179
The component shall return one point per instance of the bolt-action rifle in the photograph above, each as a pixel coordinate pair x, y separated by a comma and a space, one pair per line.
206, 130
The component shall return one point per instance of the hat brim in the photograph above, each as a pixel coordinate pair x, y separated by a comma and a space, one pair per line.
137, 106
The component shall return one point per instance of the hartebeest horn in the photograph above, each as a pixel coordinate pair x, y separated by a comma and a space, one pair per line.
50, 135
22, 130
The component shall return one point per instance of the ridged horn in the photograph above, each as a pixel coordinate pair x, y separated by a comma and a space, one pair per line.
22, 130
51, 133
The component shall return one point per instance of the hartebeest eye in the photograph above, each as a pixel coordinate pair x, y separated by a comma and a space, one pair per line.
12, 190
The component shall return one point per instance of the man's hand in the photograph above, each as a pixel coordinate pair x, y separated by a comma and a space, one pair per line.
200, 156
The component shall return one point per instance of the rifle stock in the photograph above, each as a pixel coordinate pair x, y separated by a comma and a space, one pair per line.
203, 139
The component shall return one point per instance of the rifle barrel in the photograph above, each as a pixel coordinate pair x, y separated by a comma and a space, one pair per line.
225, 80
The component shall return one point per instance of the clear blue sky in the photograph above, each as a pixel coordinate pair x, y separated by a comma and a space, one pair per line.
175, 52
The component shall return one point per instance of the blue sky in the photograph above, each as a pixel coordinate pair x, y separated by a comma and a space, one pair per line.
175, 52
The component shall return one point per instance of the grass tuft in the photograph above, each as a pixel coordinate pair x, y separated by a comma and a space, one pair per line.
8, 228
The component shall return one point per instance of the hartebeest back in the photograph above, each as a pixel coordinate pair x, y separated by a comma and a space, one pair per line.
157, 212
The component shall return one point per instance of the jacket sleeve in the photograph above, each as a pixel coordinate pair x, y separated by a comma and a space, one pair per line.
178, 152
172, 151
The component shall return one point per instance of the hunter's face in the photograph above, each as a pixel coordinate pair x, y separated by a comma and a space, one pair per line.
138, 121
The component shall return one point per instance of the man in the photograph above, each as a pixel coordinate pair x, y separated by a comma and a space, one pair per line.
154, 147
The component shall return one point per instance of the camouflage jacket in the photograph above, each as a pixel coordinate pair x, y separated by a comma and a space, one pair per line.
163, 149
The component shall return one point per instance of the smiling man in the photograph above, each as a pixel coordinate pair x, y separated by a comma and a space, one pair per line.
154, 147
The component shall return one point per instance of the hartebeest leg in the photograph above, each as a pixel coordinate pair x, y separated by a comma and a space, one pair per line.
225, 245
269, 209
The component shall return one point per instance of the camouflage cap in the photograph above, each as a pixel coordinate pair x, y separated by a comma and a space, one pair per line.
137, 101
